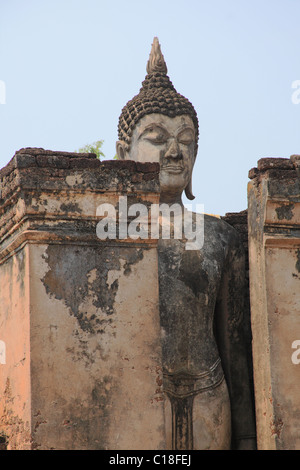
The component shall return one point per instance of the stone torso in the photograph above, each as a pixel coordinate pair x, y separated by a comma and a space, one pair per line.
189, 285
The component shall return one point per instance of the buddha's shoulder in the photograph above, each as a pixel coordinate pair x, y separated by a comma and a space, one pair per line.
215, 227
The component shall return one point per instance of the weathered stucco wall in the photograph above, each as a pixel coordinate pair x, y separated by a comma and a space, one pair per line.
15, 389
100, 347
83, 367
274, 247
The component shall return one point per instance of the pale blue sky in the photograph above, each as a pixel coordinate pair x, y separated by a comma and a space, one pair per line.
69, 66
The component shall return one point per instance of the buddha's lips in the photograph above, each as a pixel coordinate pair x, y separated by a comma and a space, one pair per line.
173, 168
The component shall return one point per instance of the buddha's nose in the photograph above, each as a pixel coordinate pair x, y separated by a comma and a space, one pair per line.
173, 150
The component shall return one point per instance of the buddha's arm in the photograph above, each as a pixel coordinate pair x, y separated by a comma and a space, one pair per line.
232, 348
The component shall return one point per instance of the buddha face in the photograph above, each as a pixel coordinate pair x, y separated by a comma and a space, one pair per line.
168, 141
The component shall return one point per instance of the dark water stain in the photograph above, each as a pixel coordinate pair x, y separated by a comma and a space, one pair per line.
298, 261
285, 212
69, 279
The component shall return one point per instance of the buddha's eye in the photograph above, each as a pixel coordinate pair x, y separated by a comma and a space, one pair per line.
186, 137
155, 135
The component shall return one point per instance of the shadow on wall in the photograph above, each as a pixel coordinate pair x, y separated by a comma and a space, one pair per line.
239, 220
3, 442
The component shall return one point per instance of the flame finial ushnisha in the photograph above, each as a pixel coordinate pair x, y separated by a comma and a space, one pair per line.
156, 62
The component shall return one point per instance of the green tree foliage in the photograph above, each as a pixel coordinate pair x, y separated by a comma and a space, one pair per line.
95, 147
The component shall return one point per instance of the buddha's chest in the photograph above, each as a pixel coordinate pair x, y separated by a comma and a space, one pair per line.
194, 274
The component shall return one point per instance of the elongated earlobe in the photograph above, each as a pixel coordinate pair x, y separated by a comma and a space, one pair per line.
188, 191
120, 149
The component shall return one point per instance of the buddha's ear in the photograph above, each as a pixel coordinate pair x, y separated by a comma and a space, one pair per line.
121, 150
188, 191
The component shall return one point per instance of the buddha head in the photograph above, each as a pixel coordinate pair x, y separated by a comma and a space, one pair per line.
160, 125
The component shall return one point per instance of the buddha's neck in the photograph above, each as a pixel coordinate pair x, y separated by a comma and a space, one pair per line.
168, 198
